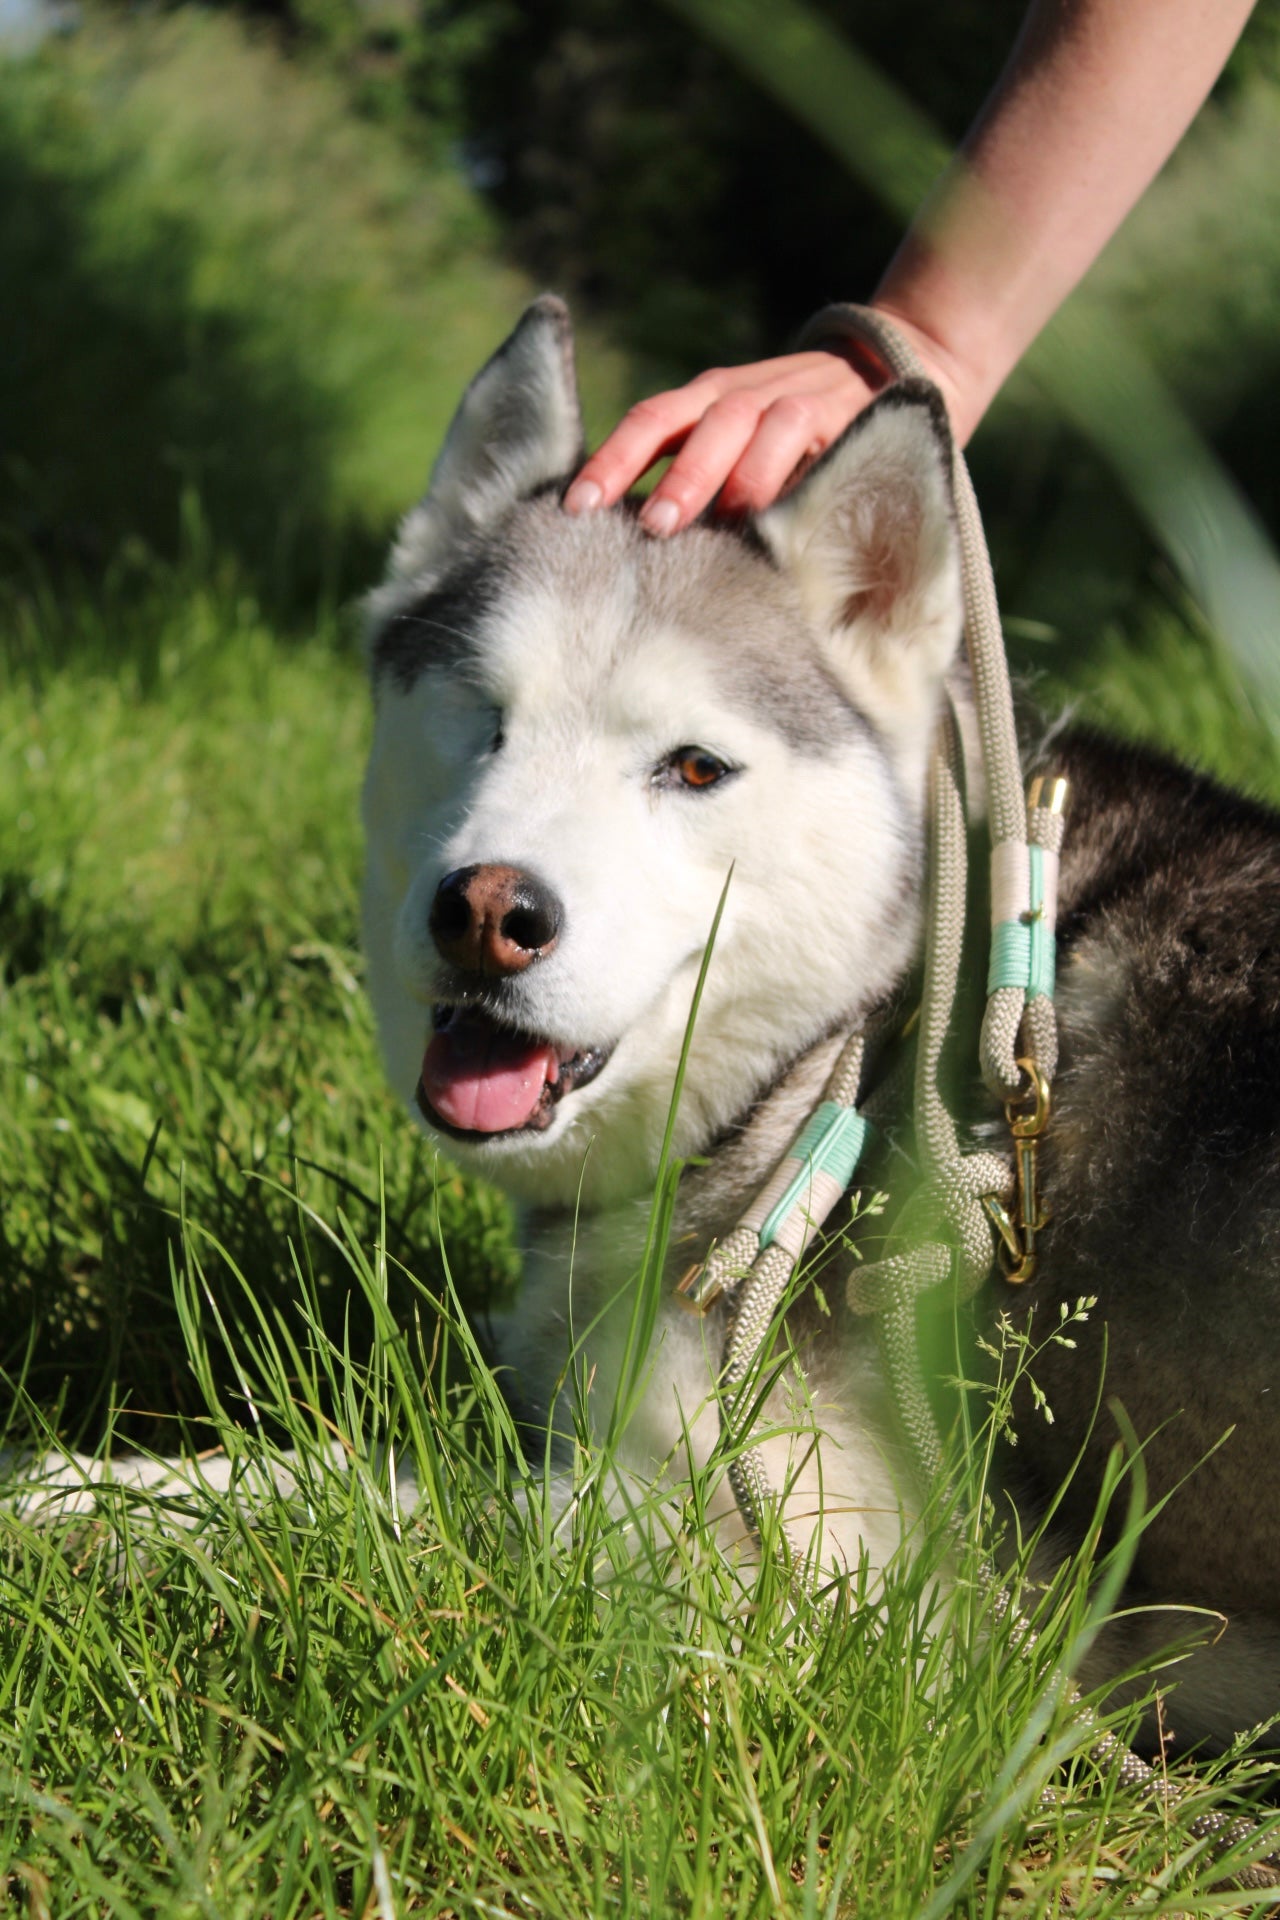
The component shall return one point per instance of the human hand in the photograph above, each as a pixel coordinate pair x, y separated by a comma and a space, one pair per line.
739, 432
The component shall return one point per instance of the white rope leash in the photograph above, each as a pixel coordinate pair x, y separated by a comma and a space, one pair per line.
948, 1213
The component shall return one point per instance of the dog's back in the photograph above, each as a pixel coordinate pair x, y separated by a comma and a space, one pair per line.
1162, 1167
580, 733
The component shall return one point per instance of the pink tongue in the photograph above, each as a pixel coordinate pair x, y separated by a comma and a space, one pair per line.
483, 1080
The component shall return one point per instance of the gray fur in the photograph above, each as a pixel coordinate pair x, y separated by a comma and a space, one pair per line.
438, 626
713, 582
518, 428
1163, 1164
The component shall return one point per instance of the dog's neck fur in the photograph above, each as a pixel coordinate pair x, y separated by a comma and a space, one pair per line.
713, 1198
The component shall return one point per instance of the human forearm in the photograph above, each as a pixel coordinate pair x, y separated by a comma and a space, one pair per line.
1092, 101
1095, 96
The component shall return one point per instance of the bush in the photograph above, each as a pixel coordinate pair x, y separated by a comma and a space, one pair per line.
232, 290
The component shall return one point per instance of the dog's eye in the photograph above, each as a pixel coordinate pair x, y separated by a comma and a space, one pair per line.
498, 738
695, 767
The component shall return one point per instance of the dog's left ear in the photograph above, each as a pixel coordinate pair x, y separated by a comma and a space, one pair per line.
869, 537
519, 426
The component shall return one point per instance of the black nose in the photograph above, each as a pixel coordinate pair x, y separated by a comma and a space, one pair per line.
494, 920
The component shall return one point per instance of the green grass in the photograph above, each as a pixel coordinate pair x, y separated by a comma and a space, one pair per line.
216, 1226
182, 1007
217, 1230
1160, 677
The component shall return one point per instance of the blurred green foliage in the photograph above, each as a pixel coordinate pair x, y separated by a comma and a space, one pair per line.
636, 167
635, 161
230, 289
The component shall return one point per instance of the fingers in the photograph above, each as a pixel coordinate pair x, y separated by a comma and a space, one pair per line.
710, 453
739, 433
791, 432
651, 429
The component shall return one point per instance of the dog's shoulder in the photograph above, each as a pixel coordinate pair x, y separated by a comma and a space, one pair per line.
1169, 961
1154, 839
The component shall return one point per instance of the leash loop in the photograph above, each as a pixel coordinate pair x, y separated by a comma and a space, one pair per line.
947, 1228
945, 1232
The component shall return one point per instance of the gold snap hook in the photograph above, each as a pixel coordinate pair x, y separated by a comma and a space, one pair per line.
1049, 792
1029, 1126
1018, 1233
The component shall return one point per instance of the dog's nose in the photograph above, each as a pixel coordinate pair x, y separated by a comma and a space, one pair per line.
494, 920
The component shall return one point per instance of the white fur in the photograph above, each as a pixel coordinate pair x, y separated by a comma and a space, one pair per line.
595, 686
851, 1489
571, 799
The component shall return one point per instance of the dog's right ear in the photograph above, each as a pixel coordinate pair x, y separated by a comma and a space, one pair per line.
519, 426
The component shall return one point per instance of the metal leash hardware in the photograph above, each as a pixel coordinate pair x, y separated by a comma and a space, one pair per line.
1018, 1229
1024, 904
1019, 1031
1019, 1037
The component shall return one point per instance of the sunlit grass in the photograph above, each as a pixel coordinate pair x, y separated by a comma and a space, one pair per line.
405, 1682
182, 1007
355, 1697
350, 1697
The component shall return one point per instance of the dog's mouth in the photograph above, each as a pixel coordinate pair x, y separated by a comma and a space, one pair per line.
480, 1079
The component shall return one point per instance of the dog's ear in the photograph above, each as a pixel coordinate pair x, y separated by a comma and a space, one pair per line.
519, 426
869, 537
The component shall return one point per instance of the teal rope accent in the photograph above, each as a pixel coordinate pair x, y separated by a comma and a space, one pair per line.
832, 1142
1040, 976
1023, 951
1010, 955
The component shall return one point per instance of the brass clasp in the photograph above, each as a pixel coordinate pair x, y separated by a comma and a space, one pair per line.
1029, 1217
694, 1293
1047, 792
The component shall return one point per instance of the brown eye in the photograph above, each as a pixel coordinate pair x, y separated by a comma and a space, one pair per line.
695, 767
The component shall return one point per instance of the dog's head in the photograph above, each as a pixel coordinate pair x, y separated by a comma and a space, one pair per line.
582, 732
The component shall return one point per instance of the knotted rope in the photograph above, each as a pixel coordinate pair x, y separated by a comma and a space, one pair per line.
755, 1263
945, 1232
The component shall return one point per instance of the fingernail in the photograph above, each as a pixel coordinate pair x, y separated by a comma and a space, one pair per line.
660, 517
584, 496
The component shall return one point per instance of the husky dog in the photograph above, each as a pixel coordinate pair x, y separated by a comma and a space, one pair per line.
581, 733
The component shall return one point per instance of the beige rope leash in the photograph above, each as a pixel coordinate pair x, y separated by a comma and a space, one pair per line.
755, 1263
838, 328
946, 1230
